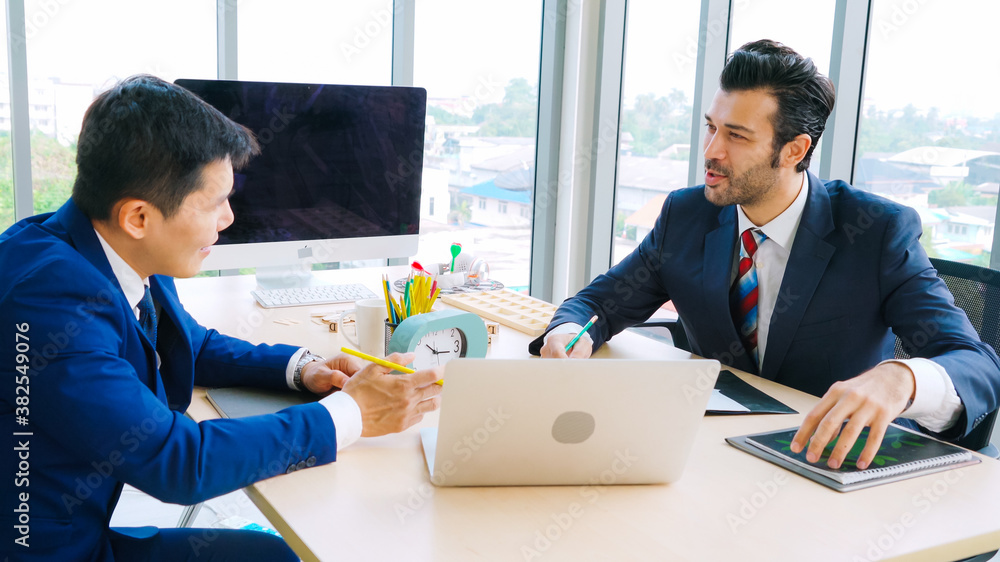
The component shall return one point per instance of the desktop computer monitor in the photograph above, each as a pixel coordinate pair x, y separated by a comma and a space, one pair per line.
337, 179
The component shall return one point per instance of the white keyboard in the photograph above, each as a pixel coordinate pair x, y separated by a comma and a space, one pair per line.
321, 294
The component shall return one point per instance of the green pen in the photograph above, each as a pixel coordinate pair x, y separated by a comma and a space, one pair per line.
583, 331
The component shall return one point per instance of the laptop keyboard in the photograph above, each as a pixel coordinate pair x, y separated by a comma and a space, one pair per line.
321, 294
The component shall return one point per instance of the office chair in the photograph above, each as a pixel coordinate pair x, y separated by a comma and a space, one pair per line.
977, 292
677, 335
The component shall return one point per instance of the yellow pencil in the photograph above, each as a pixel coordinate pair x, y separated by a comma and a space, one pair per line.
381, 362
385, 289
433, 299
399, 314
424, 293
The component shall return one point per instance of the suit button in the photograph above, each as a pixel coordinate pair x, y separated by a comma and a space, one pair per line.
300, 465
311, 462
291, 468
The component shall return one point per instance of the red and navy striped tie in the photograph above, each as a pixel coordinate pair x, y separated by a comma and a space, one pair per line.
744, 292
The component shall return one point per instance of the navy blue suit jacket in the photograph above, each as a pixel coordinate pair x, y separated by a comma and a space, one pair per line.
99, 411
856, 276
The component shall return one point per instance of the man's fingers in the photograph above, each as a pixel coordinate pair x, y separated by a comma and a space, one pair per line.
429, 405
848, 436
427, 377
827, 430
429, 391
875, 434
555, 347
581, 350
555, 352
338, 378
399, 359
811, 422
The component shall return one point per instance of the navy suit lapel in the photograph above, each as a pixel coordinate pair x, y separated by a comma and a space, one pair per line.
720, 244
806, 265
174, 345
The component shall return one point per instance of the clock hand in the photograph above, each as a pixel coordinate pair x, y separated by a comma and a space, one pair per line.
434, 351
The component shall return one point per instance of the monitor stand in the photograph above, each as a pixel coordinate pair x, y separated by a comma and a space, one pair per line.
287, 276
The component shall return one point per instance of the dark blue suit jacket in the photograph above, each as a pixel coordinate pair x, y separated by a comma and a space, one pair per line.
856, 275
99, 411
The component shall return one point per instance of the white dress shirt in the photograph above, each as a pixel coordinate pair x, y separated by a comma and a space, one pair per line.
936, 405
343, 409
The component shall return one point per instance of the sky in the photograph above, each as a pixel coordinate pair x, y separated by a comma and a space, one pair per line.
925, 52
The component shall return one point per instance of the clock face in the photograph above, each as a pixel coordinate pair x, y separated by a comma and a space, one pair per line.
437, 348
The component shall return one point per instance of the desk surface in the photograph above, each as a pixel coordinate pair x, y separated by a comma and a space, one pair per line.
376, 502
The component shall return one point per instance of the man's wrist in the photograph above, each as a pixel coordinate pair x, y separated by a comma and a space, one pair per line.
568, 328
304, 360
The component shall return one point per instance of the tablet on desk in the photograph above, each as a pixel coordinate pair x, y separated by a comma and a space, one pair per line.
517, 422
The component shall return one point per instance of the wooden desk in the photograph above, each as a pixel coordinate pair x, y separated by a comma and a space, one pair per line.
376, 502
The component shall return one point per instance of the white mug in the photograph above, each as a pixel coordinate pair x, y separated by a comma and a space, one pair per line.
369, 321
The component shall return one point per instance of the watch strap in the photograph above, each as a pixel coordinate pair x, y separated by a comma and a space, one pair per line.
306, 358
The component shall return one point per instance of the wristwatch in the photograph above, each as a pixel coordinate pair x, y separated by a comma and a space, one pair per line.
306, 358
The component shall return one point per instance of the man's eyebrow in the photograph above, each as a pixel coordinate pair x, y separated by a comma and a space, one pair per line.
733, 126
736, 127
227, 196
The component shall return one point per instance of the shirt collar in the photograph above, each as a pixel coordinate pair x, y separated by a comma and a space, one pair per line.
781, 229
132, 285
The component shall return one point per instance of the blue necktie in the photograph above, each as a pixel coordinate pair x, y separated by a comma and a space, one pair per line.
744, 292
147, 317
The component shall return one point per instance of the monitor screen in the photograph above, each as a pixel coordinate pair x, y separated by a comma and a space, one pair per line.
338, 176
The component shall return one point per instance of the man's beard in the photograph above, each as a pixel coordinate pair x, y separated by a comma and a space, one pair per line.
747, 189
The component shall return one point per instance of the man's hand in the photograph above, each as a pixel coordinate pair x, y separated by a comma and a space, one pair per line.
555, 347
871, 399
392, 403
327, 377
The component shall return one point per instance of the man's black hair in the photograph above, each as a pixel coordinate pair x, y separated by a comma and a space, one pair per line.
805, 97
149, 139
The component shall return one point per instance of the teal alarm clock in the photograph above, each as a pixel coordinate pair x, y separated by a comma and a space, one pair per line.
440, 336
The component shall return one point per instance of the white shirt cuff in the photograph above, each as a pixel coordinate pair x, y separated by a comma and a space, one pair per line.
346, 416
568, 328
290, 369
936, 405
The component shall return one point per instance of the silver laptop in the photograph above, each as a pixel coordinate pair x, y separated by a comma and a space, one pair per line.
516, 422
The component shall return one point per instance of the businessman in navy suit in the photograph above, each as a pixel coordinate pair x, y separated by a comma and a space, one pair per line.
100, 357
801, 281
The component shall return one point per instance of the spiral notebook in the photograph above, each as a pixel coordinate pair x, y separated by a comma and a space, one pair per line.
903, 454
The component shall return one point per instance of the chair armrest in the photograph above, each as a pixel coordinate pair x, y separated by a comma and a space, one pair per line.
677, 332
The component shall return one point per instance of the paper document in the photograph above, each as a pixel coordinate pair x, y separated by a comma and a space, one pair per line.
719, 402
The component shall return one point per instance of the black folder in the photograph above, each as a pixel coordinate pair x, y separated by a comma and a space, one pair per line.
743, 392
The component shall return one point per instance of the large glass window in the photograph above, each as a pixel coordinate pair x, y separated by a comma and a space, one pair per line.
661, 53
482, 107
781, 20
78, 49
316, 41
6, 166
930, 131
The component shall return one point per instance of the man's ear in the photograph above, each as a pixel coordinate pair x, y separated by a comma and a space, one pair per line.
134, 217
795, 150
